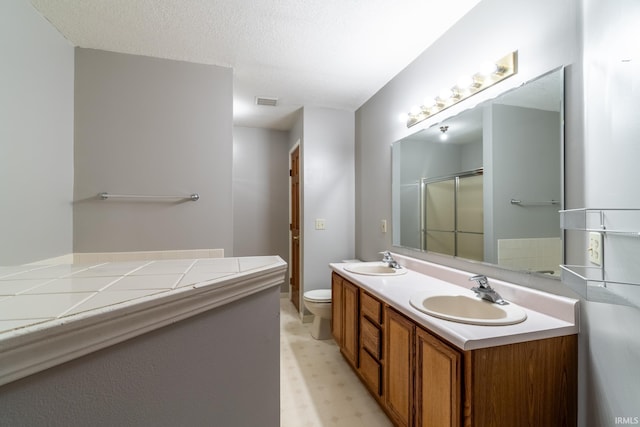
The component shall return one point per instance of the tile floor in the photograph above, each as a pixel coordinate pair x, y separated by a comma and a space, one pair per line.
317, 387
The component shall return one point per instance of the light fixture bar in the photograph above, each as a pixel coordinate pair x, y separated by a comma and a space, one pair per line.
505, 67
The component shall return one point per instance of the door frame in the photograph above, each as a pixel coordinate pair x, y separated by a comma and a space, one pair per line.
295, 146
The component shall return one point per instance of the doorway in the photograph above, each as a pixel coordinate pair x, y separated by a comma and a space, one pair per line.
294, 226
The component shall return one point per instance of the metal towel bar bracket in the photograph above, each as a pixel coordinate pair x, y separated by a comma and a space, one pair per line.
523, 202
104, 196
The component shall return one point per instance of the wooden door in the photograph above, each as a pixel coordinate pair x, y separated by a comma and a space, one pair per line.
398, 367
294, 280
438, 382
350, 322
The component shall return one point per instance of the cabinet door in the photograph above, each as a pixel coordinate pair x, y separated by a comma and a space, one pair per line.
336, 308
438, 382
350, 322
398, 366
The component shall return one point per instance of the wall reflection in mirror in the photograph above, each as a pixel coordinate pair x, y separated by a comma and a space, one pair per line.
491, 188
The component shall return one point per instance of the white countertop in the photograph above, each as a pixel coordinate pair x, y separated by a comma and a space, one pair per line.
50, 314
548, 315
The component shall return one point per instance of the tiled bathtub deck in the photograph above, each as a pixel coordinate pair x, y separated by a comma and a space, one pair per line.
32, 294
50, 314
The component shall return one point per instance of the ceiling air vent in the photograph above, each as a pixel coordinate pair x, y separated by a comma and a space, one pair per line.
270, 102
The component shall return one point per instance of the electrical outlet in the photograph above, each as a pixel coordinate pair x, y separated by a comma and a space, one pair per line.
320, 224
595, 248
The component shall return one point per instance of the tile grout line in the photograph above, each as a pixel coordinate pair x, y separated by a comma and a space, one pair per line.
77, 304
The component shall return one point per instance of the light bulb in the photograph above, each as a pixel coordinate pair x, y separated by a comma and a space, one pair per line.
445, 94
429, 103
487, 68
464, 82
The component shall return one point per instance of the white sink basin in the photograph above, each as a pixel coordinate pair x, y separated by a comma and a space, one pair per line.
376, 268
468, 309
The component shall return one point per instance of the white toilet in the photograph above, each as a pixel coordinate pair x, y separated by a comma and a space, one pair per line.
318, 302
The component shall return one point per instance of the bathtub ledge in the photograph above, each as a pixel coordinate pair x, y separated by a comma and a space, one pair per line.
25, 351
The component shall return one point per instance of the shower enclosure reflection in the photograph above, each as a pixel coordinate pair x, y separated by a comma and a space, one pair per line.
491, 191
451, 215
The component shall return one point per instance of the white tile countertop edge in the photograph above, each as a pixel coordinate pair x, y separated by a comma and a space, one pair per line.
548, 315
25, 351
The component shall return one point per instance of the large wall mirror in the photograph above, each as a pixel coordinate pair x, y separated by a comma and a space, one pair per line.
486, 184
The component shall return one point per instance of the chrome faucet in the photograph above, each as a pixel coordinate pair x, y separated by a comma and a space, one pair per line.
485, 291
388, 259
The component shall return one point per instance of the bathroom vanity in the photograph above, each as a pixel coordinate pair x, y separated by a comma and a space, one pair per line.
426, 371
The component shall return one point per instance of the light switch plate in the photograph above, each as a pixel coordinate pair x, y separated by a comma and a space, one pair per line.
320, 224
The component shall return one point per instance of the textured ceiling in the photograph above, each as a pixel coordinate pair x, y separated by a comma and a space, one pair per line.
329, 53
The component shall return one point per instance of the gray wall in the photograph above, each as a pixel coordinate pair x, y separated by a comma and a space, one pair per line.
429, 159
546, 34
326, 138
36, 137
529, 26
220, 368
261, 193
151, 126
328, 192
471, 155
611, 133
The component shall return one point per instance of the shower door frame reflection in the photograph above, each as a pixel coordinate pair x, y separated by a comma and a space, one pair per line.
452, 229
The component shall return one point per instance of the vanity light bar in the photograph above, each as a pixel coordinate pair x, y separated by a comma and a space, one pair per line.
503, 68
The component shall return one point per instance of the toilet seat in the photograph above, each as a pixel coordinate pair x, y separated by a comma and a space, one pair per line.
318, 295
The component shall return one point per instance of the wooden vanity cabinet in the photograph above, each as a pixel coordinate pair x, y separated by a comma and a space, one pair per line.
399, 361
371, 343
344, 317
421, 380
337, 308
423, 375
535, 381
438, 377
356, 325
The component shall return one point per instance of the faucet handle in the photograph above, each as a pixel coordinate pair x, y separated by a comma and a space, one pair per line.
482, 280
386, 256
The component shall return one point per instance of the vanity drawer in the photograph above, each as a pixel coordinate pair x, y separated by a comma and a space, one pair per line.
371, 337
371, 371
371, 307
